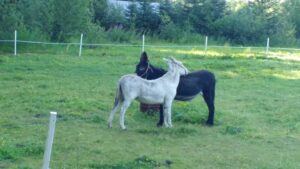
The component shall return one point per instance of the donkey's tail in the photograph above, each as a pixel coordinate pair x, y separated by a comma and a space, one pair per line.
119, 95
118, 99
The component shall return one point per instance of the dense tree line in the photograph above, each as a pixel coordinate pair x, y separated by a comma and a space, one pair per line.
237, 21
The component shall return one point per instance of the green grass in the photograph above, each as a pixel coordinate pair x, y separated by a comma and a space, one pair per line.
257, 111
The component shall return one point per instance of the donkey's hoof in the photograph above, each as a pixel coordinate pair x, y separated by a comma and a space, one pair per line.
124, 128
209, 123
159, 124
166, 125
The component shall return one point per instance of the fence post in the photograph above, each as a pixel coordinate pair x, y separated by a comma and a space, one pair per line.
80, 46
47, 153
268, 45
143, 45
206, 39
15, 43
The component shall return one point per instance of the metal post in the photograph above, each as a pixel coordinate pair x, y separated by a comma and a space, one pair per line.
80, 46
47, 153
143, 46
268, 45
206, 39
15, 44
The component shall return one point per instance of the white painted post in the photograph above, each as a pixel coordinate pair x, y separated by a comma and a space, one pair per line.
80, 46
143, 46
15, 43
268, 45
47, 153
206, 39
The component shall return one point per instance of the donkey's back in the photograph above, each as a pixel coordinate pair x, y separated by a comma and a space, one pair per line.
145, 91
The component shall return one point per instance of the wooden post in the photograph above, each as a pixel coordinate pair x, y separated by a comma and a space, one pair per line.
268, 45
47, 153
143, 45
206, 39
80, 45
15, 43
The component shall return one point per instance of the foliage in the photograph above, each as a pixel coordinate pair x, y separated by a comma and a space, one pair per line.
147, 19
292, 9
10, 18
99, 11
255, 22
70, 17
240, 22
131, 16
119, 35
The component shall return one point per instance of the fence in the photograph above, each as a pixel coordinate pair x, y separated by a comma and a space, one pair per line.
81, 44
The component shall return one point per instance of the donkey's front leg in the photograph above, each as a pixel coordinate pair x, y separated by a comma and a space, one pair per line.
122, 113
170, 115
161, 116
167, 113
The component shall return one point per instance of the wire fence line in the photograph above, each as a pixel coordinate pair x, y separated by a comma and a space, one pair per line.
130, 45
205, 46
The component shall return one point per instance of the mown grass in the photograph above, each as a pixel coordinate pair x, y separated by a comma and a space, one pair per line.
257, 112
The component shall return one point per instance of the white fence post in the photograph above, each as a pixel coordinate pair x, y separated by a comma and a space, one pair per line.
143, 46
15, 43
206, 39
47, 153
80, 46
268, 45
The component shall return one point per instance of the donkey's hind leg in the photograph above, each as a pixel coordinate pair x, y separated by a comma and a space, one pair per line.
161, 116
124, 107
209, 97
112, 113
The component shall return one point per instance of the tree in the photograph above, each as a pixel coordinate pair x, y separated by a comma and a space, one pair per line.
147, 19
114, 18
99, 9
292, 8
10, 18
131, 15
37, 15
217, 8
256, 21
70, 17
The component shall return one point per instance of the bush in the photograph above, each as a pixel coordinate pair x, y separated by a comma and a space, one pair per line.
94, 34
174, 33
170, 32
120, 35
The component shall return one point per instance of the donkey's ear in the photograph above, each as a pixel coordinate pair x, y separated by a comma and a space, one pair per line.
173, 59
144, 58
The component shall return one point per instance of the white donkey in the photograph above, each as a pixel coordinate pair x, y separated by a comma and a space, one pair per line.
158, 91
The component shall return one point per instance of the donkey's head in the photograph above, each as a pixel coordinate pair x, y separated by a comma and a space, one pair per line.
143, 67
145, 70
175, 65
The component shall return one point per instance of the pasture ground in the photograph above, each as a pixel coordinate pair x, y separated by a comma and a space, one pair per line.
257, 112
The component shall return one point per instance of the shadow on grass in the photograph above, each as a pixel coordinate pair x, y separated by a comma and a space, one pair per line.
140, 162
179, 131
232, 130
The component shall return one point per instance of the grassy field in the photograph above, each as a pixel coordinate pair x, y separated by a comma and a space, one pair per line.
257, 111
